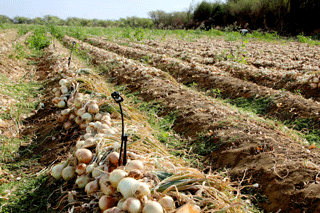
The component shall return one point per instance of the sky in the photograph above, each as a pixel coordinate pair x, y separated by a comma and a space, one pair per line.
99, 9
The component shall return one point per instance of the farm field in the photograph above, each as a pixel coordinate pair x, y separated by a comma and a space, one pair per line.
235, 120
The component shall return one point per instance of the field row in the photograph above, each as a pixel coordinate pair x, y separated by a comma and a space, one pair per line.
233, 139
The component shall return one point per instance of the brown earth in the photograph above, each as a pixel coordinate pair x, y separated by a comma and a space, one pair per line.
251, 149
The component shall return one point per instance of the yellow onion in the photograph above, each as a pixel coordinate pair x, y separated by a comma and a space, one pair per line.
86, 116
97, 171
92, 187
84, 155
140, 189
98, 117
167, 203
78, 120
68, 173
58, 93
56, 171
90, 167
113, 210
132, 205
136, 174
64, 90
107, 189
82, 181
152, 207
125, 187
70, 102
81, 168
67, 124
104, 178
113, 158
134, 164
115, 177
80, 112
61, 104
106, 202
77, 102
93, 108
56, 100
83, 125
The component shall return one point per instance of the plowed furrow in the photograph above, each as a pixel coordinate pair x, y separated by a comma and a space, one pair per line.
283, 105
247, 146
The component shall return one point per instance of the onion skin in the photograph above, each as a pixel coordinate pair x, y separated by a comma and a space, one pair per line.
134, 164
136, 174
132, 205
81, 168
107, 189
93, 108
106, 202
115, 177
113, 158
113, 210
140, 189
84, 155
56, 171
152, 207
68, 173
125, 187
167, 203
92, 187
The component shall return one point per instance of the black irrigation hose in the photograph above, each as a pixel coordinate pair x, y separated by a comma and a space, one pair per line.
116, 96
69, 60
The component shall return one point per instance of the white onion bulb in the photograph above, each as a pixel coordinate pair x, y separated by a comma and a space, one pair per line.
84, 155
125, 187
68, 173
140, 189
132, 205
115, 177
167, 203
152, 207
91, 187
56, 171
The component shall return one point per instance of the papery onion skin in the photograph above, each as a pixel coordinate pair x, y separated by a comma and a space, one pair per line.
84, 155
113, 158
152, 207
68, 173
167, 203
81, 168
132, 205
115, 177
106, 202
92, 187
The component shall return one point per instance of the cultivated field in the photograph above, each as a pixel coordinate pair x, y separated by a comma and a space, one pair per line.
225, 123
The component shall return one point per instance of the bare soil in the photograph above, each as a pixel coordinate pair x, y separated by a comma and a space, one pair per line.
251, 149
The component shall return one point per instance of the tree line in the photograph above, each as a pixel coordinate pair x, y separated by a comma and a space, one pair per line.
291, 17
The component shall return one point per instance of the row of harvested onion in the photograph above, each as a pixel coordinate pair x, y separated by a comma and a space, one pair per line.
95, 168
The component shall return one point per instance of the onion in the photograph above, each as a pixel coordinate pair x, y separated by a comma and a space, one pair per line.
113, 158
77, 103
78, 120
87, 135
167, 203
104, 178
93, 108
56, 100
106, 122
84, 155
115, 177
90, 142
92, 187
113, 210
139, 189
152, 207
106, 131
82, 180
58, 93
70, 102
86, 116
313, 86
315, 80
106, 202
57, 170
132, 205
134, 164
55, 89
188, 208
97, 171
64, 90
98, 117
97, 124
63, 82
83, 125
120, 203
79, 144
107, 189
61, 104
125, 187
81, 168
72, 116
80, 112
68, 173
89, 129
90, 168
67, 124
136, 174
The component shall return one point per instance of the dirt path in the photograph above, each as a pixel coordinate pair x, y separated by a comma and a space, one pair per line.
283, 106
252, 149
